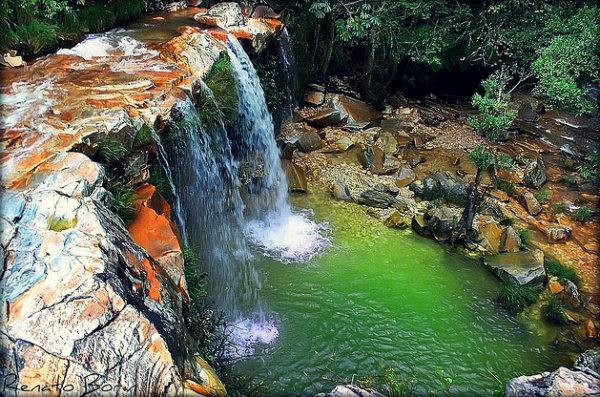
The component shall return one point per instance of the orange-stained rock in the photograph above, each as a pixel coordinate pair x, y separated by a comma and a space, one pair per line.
555, 287
590, 329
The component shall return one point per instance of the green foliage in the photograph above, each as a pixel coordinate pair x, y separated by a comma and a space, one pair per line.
269, 72
110, 150
38, 36
494, 117
160, 181
445, 380
504, 161
514, 296
591, 165
195, 279
559, 270
144, 137
570, 60
555, 312
525, 235
398, 384
481, 158
124, 201
223, 101
542, 195
582, 214
507, 222
505, 186
558, 208
97, 17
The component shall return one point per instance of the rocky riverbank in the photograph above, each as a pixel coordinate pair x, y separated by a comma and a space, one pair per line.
410, 168
88, 302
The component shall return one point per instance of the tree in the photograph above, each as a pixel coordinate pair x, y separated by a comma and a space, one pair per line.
482, 160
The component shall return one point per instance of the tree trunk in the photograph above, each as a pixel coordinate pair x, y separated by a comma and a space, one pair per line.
464, 229
367, 73
315, 47
328, 47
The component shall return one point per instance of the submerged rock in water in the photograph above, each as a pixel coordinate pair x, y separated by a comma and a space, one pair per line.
581, 381
523, 267
350, 391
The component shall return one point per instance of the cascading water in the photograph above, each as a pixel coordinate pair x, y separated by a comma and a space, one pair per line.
271, 223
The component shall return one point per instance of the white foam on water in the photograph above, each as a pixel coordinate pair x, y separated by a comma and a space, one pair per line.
289, 237
246, 335
25, 101
103, 45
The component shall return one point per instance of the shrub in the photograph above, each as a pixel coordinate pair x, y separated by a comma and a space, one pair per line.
494, 117
555, 312
37, 36
558, 208
97, 17
559, 270
221, 82
399, 385
514, 296
196, 280
110, 150
582, 214
144, 137
590, 167
542, 195
503, 160
124, 201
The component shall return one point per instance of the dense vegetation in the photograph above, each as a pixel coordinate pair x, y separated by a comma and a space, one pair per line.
549, 46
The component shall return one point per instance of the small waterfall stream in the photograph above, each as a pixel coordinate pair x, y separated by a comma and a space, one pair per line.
286, 52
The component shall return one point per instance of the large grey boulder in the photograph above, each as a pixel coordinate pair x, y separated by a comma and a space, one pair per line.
441, 222
523, 267
581, 381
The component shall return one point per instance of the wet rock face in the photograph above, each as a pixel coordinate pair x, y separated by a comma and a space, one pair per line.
582, 380
350, 391
81, 299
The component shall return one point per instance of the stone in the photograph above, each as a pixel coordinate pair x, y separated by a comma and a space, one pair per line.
350, 391
527, 112
491, 235
510, 241
374, 198
396, 221
558, 234
563, 382
314, 98
14, 61
416, 160
387, 143
340, 191
397, 101
326, 118
419, 224
295, 176
573, 292
404, 177
399, 129
453, 187
523, 267
390, 165
176, 6
309, 141
344, 144
588, 361
535, 174
555, 287
372, 159
440, 222
353, 109
528, 200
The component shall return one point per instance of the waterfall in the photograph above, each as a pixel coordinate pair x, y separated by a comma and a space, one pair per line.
271, 224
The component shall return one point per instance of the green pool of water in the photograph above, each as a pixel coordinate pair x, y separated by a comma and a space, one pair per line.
383, 298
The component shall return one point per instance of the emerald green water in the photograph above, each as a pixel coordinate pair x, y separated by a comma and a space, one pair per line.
382, 298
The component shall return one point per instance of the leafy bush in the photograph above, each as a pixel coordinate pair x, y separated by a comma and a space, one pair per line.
399, 385
110, 150
124, 201
144, 137
494, 117
38, 36
514, 296
559, 270
591, 166
97, 17
582, 214
555, 312
221, 82
542, 195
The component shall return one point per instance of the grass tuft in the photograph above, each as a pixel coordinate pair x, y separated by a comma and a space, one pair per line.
582, 214
525, 235
503, 185
558, 208
221, 82
514, 296
124, 201
542, 195
97, 17
555, 312
507, 221
110, 150
143, 137
38, 36
559, 270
